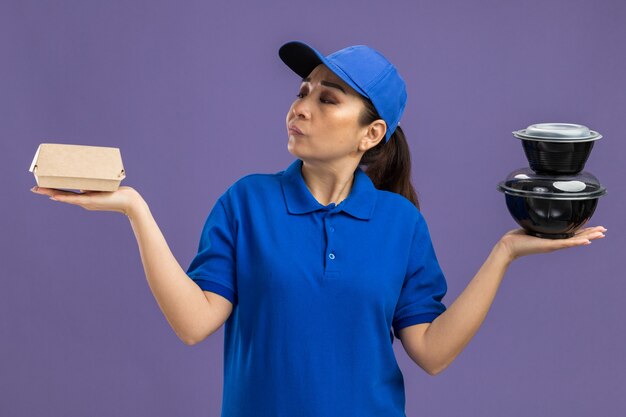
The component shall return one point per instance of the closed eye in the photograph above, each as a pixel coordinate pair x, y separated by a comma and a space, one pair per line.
323, 99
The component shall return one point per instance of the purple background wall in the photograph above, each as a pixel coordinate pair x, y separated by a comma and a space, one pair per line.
195, 96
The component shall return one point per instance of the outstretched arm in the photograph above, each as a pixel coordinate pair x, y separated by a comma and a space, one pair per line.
433, 346
193, 313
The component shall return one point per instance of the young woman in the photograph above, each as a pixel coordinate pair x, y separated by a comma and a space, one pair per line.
314, 269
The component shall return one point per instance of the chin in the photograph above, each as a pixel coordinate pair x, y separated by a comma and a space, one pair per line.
306, 153
293, 148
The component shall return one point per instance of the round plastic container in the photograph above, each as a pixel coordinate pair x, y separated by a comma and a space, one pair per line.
548, 206
557, 148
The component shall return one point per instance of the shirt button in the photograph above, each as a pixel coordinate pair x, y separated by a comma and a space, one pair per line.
331, 255
332, 229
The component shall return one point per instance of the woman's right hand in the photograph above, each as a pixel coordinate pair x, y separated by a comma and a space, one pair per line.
121, 200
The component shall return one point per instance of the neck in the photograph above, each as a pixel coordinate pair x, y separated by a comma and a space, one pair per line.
328, 183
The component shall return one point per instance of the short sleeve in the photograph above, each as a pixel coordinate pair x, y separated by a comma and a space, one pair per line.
424, 283
213, 267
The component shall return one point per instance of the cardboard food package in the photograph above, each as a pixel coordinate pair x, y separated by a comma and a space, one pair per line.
77, 167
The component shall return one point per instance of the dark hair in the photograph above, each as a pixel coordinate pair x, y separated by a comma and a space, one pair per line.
388, 164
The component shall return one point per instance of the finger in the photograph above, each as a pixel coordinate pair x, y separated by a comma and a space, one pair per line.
72, 198
583, 239
589, 230
592, 229
593, 233
45, 191
52, 192
581, 231
40, 190
571, 242
596, 235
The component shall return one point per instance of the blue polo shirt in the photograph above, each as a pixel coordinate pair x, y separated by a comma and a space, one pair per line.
318, 293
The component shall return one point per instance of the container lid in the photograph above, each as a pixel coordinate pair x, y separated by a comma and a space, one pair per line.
525, 182
557, 132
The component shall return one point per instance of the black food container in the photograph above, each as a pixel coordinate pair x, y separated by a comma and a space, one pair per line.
552, 207
557, 148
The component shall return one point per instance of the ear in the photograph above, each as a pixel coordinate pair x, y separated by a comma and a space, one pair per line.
374, 133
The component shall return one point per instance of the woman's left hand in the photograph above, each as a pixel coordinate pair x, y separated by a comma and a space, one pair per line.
518, 243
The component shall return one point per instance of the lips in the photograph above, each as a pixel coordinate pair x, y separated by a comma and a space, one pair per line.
294, 129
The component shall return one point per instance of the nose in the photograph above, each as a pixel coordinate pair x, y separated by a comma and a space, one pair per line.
300, 109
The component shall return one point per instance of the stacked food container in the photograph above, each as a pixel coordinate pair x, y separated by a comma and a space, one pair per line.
554, 197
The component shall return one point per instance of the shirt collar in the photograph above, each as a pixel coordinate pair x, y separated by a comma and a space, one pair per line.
359, 203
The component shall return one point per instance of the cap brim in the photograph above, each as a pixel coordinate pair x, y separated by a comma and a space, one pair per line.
300, 57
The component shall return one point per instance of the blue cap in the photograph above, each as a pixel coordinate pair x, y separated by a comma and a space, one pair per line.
362, 68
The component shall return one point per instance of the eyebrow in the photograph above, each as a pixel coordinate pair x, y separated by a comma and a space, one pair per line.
326, 83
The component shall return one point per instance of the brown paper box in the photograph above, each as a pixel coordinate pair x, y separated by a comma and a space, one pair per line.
78, 167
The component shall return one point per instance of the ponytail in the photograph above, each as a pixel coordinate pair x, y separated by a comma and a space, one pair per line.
388, 164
